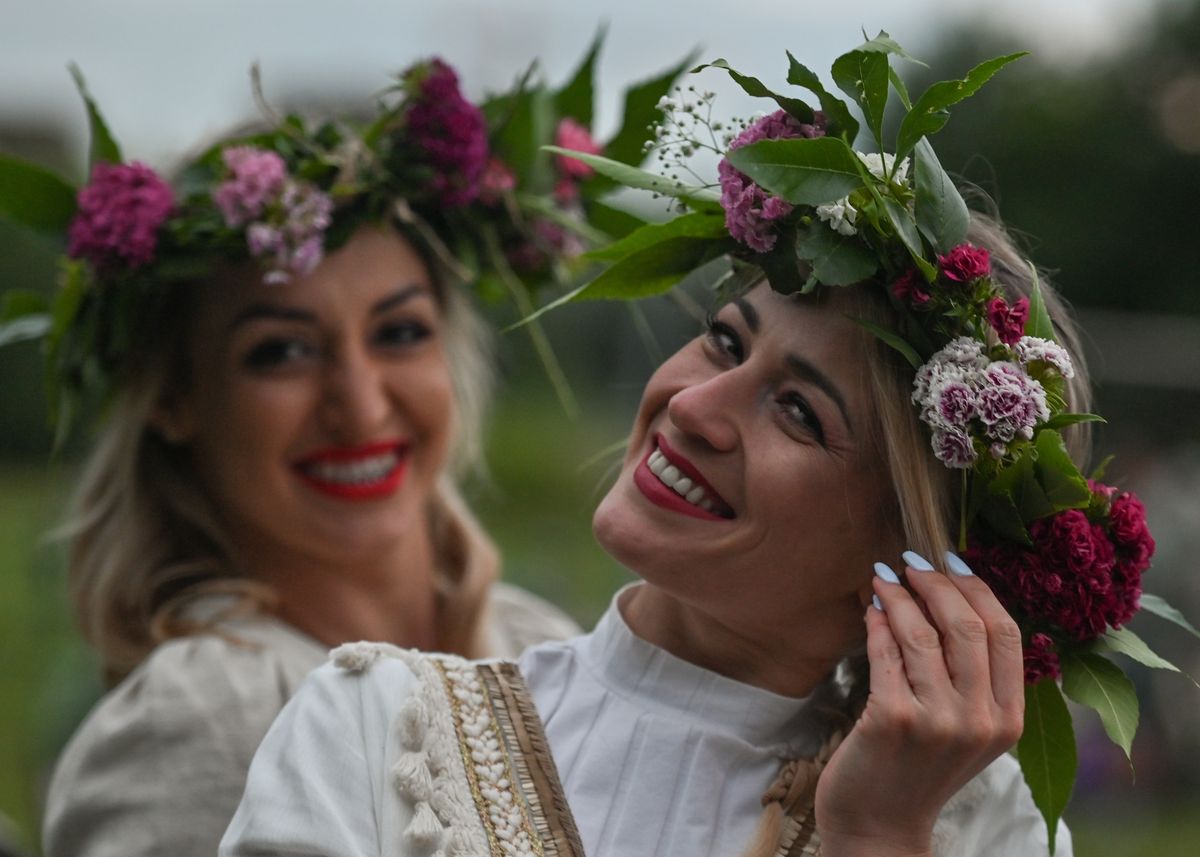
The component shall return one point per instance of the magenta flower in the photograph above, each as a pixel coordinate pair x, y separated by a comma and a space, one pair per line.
571, 135
256, 178
1041, 661
965, 263
1008, 321
120, 211
910, 287
497, 180
750, 212
450, 132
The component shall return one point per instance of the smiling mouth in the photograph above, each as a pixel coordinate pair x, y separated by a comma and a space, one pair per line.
685, 491
356, 473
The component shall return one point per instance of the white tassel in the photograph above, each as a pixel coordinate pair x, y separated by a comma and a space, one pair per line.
412, 722
356, 657
459, 845
411, 776
424, 832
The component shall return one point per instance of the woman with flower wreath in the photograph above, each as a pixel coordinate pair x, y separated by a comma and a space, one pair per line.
294, 379
774, 686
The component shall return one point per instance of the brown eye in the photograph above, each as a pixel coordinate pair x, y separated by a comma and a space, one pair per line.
797, 410
277, 351
724, 339
401, 333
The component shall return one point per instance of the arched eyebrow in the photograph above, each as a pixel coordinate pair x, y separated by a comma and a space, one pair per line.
282, 312
806, 371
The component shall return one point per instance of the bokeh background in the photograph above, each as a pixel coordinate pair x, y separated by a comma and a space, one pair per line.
1091, 149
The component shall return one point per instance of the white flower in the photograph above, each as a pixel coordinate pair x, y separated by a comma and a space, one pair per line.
1031, 349
877, 163
840, 215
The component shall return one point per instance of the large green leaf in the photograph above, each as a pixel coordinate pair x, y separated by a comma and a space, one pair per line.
1065, 486
639, 111
755, 87
801, 171
698, 224
521, 139
884, 43
1001, 512
942, 215
638, 178
1064, 420
1047, 752
1019, 481
1125, 642
1159, 607
837, 260
893, 340
929, 114
103, 148
841, 120
863, 75
1098, 683
576, 98
1038, 323
35, 197
613, 222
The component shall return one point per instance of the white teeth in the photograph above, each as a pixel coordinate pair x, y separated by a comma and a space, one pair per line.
354, 472
670, 475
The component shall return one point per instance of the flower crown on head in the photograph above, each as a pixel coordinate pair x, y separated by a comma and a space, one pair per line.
469, 182
794, 200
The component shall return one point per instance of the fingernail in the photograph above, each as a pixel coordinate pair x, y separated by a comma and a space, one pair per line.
956, 565
878, 604
885, 572
915, 560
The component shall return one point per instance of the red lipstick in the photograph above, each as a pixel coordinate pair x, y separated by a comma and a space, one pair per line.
658, 493
370, 471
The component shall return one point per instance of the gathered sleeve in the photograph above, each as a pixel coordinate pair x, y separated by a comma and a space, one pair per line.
318, 784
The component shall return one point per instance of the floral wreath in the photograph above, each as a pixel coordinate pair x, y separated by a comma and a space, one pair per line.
471, 183
1064, 553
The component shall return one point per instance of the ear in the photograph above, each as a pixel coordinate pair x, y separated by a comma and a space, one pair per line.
174, 417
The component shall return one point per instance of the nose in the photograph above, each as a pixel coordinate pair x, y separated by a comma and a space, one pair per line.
355, 403
707, 409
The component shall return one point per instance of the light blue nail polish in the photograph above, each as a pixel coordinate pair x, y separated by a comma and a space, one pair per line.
916, 561
885, 572
878, 604
956, 565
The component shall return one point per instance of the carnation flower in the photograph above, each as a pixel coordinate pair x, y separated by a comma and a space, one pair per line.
571, 135
449, 131
120, 211
750, 211
965, 263
497, 180
1008, 321
954, 403
954, 448
1031, 349
256, 179
1011, 404
1041, 661
910, 286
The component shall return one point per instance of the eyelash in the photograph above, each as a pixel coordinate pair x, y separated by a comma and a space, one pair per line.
277, 351
725, 340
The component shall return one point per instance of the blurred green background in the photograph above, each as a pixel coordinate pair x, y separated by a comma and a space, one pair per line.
1093, 156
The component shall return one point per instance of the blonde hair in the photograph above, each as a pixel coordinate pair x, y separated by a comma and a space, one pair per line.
146, 541
925, 494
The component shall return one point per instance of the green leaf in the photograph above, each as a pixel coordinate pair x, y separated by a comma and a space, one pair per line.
929, 114
837, 260
1097, 473
904, 224
35, 197
698, 224
1019, 481
18, 303
1038, 324
801, 171
942, 215
1098, 683
883, 43
893, 339
1063, 420
613, 222
103, 147
755, 87
639, 178
576, 98
1064, 485
901, 89
520, 141
1047, 752
1003, 516
640, 110
24, 328
1125, 642
841, 121
1159, 607
863, 75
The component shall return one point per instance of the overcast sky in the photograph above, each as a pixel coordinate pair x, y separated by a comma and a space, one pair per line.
168, 73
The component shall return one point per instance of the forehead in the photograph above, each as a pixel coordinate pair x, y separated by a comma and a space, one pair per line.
819, 325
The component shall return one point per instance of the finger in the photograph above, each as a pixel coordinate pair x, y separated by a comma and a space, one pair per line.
888, 679
964, 633
1006, 664
924, 661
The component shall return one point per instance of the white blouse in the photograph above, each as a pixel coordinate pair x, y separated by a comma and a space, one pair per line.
656, 755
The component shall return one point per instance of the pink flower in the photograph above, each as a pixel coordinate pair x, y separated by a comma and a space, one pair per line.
566, 191
571, 135
1008, 322
256, 179
1127, 518
910, 286
953, 447
497, 180
955, 403
120, 211
449, 131
965, 263
750, 211
1041, 661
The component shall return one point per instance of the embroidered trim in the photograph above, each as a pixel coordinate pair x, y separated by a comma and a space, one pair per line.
502, 810
799, 837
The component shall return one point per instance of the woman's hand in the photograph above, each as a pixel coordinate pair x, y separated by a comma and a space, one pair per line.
947, 697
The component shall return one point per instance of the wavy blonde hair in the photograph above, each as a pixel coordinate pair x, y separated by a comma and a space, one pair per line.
145, 540
925, 493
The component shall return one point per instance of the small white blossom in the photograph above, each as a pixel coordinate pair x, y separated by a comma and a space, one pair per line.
840, 216
1031, 349
877, 164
